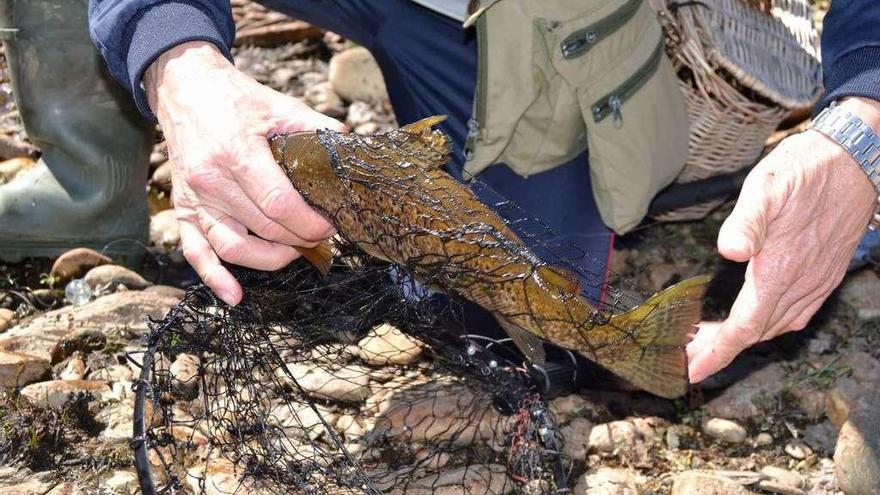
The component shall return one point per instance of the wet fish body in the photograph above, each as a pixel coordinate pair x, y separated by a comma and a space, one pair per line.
389, 195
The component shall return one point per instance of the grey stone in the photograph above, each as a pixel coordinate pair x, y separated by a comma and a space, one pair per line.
114, 373
6, 317
607, 437
797, 449
865, 368
10, 168
822, 343
324, 99
162, 177
774, 486
386, 344
118, 419
121, 311
741, 400
609, 481
660, 275
568, 406
282, 77
32, 486
479, 479
841, 399
105, 278
811, 401
859, 291
185, 371
763, 439
355, 76
577, 435
75, 369
434, 412
821, 437
120, 482
706, 483
17, 369
781, 481
347, 383
76, 263
857, 456
54, 394
165, 230
167, 290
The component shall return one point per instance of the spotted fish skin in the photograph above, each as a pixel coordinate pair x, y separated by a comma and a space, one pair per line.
389, 195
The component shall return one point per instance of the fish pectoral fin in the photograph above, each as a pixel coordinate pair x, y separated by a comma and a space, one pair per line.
528, 343
561, 278
321, 256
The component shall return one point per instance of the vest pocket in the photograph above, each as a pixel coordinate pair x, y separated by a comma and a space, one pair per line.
634, 113
582, 40
611, 105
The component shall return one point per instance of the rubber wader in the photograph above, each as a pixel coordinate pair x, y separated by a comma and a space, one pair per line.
88, 188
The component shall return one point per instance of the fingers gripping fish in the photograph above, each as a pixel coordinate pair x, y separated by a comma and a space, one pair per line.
389, 195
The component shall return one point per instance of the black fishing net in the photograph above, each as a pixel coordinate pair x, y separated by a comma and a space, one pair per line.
371, 378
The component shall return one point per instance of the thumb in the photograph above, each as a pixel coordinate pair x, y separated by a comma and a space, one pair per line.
742, 234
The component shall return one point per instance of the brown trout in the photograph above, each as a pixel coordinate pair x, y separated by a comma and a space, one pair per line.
389, 195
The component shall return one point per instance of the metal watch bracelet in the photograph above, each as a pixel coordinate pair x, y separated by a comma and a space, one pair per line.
859, 140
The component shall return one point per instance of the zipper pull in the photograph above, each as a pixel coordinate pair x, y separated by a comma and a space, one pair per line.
471, 141
574, 46
614, 103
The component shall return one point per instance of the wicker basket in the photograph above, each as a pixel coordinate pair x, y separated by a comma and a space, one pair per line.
742, 71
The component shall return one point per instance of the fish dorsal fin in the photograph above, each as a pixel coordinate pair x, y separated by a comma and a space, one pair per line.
426, 148
528, 343
423, 125
321, 256
561, 278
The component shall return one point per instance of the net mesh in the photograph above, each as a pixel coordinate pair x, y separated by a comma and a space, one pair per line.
370, 379
276, 393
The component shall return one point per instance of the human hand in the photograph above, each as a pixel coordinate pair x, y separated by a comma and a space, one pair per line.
798, 219
232, 199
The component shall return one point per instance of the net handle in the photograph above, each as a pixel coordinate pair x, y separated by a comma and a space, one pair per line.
139, 431
139, 442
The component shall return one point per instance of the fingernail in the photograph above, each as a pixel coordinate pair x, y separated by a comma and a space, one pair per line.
227, 297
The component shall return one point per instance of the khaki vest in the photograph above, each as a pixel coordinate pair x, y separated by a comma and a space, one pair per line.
556, 77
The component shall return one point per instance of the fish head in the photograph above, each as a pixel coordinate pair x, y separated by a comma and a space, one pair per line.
307, 162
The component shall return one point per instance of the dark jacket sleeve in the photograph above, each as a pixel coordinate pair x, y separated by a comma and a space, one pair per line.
851, 50
130, 34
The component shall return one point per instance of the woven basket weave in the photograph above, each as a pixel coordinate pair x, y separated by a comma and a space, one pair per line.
742, 71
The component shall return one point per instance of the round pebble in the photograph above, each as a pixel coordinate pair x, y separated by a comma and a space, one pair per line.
797, 449
725, 430
763, 439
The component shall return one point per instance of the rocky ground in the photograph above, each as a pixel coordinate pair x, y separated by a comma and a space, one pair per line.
798, 415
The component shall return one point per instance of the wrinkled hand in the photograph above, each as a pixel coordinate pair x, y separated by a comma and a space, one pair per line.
232, 199
799, 217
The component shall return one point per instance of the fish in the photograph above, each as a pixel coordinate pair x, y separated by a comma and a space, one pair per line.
389, 195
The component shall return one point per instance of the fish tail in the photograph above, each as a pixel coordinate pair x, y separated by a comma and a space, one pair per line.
653, 356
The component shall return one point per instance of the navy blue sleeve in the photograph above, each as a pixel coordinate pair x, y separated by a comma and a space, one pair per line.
851, 50
130, 34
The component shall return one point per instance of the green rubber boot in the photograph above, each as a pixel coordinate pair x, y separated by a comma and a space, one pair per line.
88, 189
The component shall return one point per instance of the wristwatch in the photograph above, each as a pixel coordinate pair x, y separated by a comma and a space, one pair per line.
859, 140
